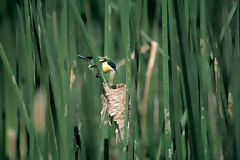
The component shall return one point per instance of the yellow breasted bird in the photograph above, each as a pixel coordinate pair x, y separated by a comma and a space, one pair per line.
91, 64
107, 64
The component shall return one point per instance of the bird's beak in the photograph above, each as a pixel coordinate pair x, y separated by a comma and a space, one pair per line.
80, 56
101, 59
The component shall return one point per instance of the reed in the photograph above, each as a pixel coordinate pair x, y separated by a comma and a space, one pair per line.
178, 59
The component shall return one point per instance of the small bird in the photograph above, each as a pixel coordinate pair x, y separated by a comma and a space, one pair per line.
107, 64
91, 64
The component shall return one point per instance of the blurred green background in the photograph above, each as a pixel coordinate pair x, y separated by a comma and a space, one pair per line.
183, 79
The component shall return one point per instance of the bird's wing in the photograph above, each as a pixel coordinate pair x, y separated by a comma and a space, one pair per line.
112, 65
92, 66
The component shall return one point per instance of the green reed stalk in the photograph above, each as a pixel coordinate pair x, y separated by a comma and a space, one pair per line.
12, 79
167, 129
125, 28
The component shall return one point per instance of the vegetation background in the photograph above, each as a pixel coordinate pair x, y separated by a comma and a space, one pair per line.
183, 78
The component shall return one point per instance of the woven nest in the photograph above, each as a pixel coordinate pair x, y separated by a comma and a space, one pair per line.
114, 105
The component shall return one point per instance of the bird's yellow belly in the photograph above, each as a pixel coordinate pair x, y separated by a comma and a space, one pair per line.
106, 67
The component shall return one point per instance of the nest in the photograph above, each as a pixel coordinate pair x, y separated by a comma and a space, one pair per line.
114, 105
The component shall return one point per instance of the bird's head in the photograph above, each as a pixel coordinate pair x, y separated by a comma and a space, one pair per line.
104, 59
107, 59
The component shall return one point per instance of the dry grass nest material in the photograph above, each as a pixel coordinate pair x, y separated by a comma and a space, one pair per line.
114, 105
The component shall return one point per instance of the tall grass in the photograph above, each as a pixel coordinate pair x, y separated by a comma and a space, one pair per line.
167, 126
178, 58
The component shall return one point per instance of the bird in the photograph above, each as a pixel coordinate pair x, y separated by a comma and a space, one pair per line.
107, 64
91, 64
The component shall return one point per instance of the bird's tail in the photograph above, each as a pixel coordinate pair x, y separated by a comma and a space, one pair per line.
82, 57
